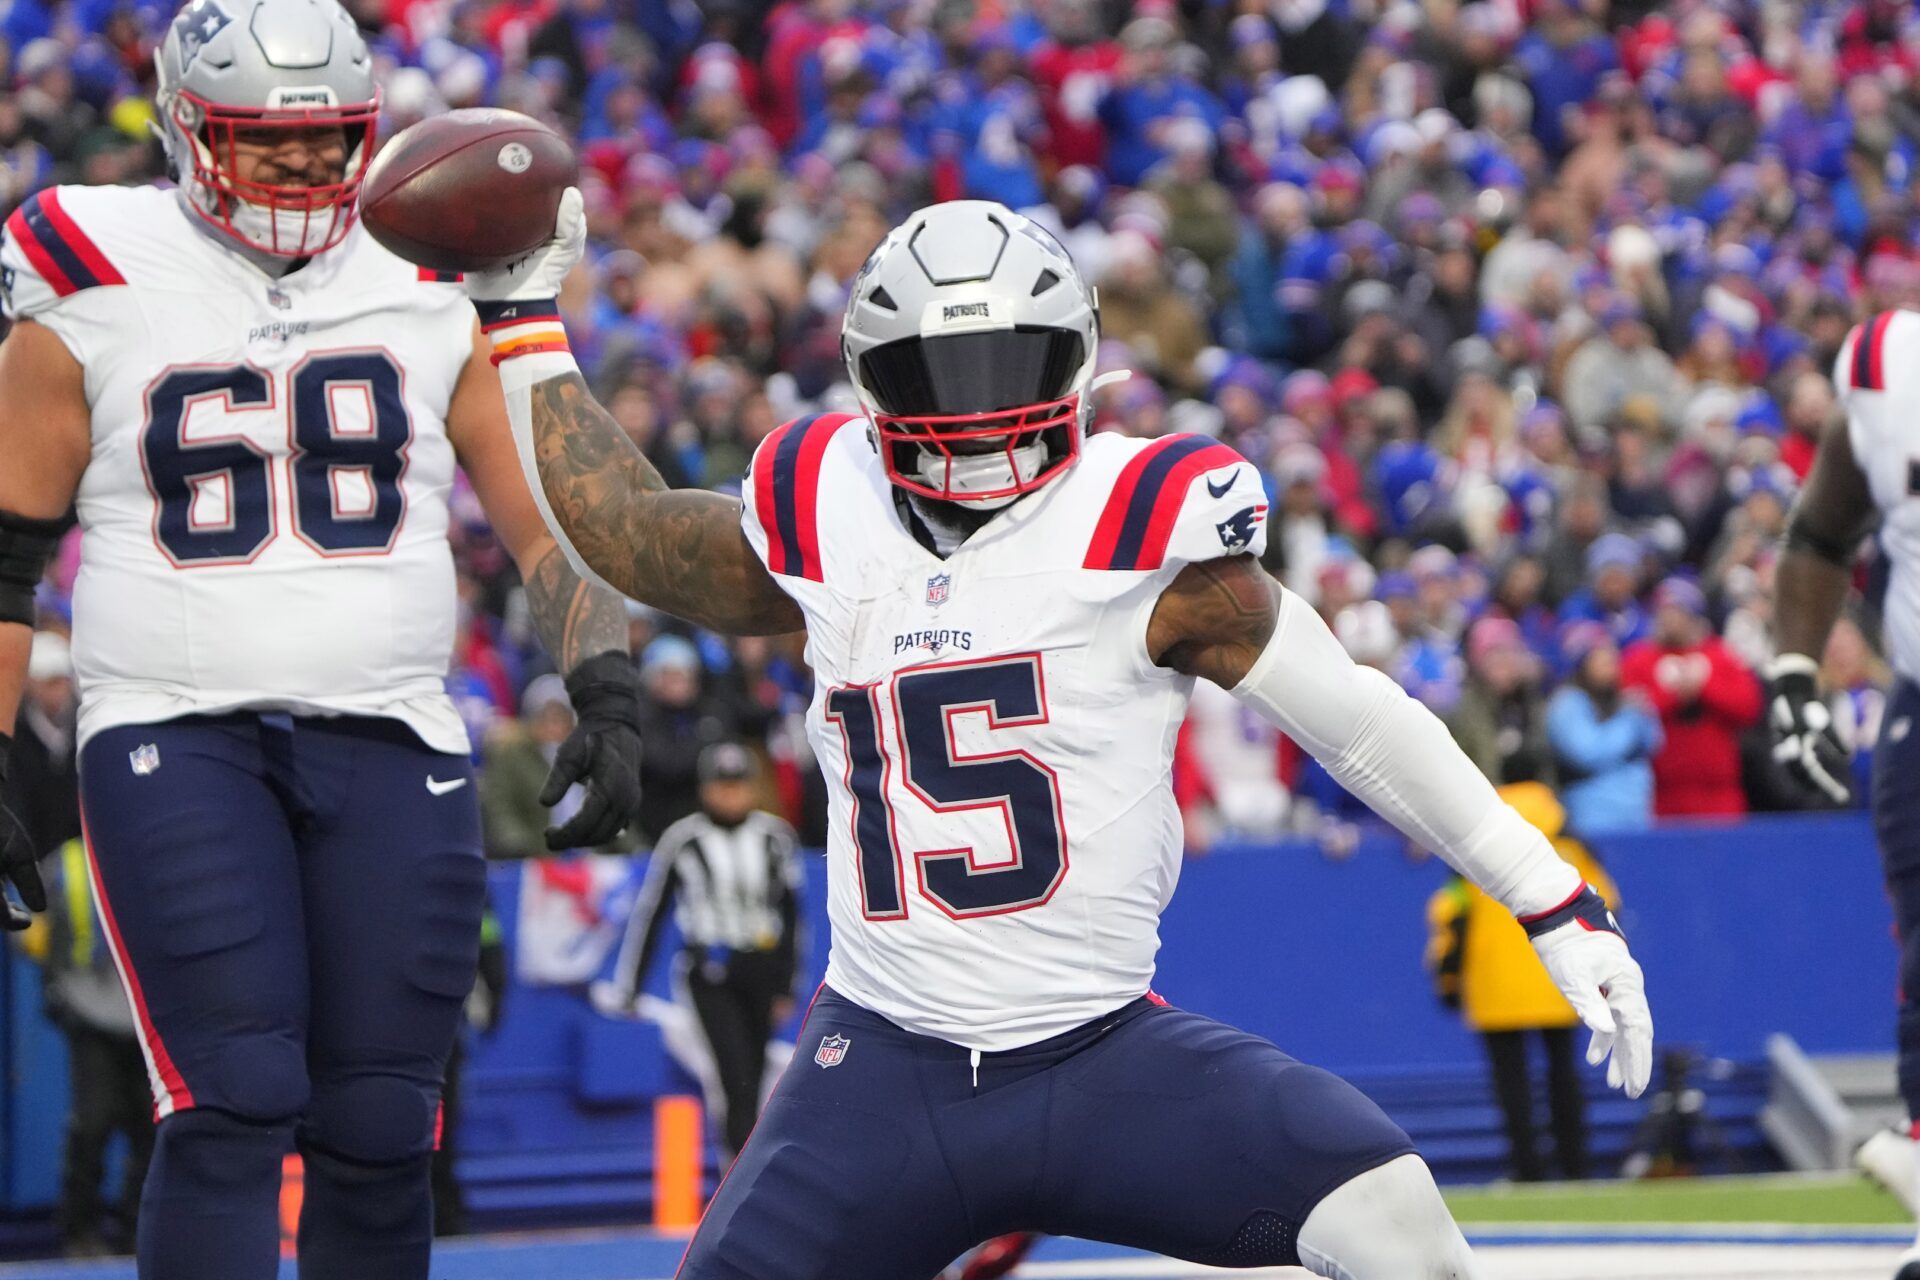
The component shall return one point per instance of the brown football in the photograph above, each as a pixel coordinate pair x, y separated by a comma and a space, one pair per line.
470, 190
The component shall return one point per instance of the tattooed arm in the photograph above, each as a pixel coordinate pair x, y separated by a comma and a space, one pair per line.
681, 550
582, 624
576, 619
1215, 619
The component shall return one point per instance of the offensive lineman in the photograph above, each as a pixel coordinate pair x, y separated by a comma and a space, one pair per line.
1867, 470
257, 412
1004, 620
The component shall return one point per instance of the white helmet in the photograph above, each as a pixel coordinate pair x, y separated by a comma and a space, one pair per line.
970, 339
228, 66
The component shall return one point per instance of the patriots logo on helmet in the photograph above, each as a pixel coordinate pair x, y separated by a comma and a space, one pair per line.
197, 25
1237, 530
832, 1049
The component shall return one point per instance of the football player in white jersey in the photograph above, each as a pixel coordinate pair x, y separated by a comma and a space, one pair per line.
1004, 621
257, 413
1866, 473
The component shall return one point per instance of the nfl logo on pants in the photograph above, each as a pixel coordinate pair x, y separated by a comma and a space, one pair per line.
831, 1050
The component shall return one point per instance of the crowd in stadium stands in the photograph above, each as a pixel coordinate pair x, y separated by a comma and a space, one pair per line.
1525, 308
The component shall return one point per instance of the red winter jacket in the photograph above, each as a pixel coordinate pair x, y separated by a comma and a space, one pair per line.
1698, 770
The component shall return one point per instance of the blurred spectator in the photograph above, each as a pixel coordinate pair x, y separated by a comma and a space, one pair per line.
1498, 720
80, 988
1228, 772
107, 1090
679, 719
518, 756
1485, 967
43, 776
1706, 698
1602, 740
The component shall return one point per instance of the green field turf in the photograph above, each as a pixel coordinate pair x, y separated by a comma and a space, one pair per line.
1843, 1200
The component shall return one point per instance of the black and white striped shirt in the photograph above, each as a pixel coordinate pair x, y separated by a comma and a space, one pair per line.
735, 889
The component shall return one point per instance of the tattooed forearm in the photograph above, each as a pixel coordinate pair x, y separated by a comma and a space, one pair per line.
576, 620
681, 550
1215, 619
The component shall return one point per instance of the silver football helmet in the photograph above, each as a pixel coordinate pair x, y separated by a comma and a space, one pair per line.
970, 339
233, 70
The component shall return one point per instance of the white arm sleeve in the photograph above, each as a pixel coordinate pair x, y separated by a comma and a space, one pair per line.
518, 377
1394, 754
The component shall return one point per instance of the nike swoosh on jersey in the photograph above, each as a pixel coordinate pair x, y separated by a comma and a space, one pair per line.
440, 788
1220, 490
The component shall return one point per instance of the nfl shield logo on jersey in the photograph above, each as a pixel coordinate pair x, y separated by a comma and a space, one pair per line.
939, 587
831, 1050
144, 758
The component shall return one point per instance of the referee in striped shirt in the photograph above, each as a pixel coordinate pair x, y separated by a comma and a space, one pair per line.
731, 877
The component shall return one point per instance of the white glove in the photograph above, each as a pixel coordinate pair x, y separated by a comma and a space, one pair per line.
538, 276
1586, 956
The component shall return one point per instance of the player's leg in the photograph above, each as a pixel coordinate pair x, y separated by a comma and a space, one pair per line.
194, 872
843, 1177
1388, 1223
1507, 1060
1184, 1136
395, 887
735, 1019
1567, 1101
1896, 820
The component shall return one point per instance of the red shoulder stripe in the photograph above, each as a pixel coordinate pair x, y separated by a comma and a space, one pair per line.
786, 493
1138, 520
77, 240
37, 254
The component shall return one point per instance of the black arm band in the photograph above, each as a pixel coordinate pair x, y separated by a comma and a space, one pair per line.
26, 547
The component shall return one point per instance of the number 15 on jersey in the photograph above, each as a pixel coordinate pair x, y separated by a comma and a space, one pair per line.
902, 793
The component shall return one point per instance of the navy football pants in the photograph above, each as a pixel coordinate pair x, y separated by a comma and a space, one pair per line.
1896, 820
1151, 1127
297, 916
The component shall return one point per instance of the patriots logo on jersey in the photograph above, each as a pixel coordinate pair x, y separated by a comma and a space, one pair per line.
1237, 530
832, 1049
197, 25
939, 587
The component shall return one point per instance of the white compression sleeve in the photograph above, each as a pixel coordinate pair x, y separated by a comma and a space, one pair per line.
1393, 753
518, 376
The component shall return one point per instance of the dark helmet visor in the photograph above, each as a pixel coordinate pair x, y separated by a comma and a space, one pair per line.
970, 373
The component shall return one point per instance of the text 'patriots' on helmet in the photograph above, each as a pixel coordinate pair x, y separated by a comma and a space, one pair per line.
267, 111
970, 339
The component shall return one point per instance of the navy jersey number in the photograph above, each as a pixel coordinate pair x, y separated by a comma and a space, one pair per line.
214, 495
926, 701
328, 451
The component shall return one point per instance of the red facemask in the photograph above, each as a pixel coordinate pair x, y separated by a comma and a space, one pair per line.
1012, 429
288, 221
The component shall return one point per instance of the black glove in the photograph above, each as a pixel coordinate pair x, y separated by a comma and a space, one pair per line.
602, 752
17, 861
1804, 741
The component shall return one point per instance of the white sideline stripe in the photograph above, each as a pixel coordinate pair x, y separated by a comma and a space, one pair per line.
1489, 1233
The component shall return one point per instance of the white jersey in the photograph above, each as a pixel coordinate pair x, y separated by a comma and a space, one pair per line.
265, 508
996, 742
1878, 377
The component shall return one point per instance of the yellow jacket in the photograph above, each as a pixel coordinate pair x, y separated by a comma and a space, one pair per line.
1480, 953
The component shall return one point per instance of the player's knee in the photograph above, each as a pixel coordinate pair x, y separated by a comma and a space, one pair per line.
372, 1119
260, 1079
206, 1151
1388, 1223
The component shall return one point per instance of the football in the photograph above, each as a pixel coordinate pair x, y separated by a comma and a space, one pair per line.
470, 190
